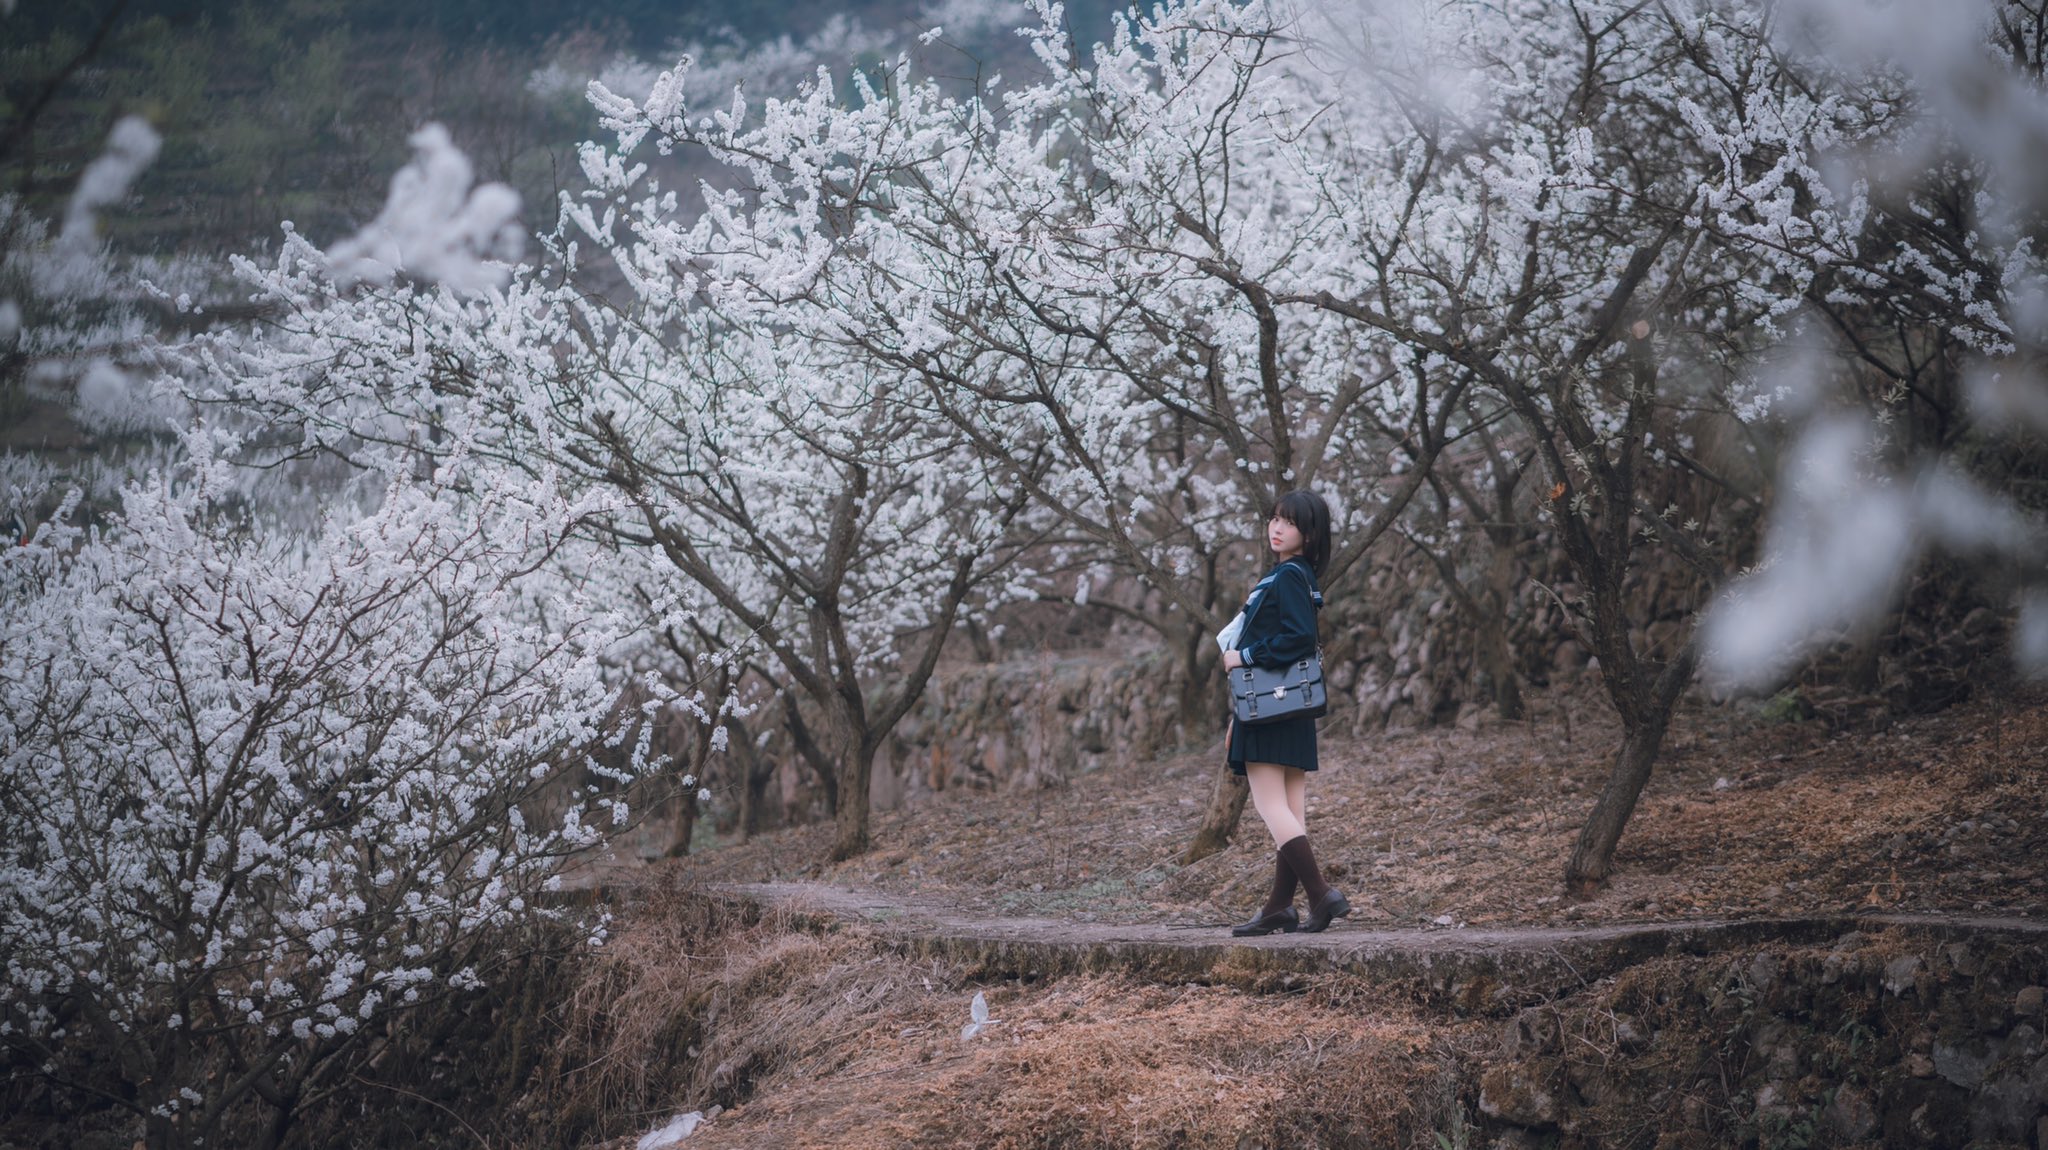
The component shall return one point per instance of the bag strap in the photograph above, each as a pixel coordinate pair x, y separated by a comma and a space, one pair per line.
1315, 596
1315, 586
1315, 591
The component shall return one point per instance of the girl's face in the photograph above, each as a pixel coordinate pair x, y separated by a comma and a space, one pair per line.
1283, 537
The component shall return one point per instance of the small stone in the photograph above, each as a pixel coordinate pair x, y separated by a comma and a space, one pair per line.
1919, 1066
1852, 1115
2022, 1047
1533, 1031
1520, 1093
1771, 893
1782, 1064
1629, 1036
2028, 1002
1831, 970
1964, 960
1924, 1112
1763, 972
1899, 973
1963, 1064
2002, 1111
1988, 1013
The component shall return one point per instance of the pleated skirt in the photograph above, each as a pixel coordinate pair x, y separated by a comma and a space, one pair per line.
1289, 742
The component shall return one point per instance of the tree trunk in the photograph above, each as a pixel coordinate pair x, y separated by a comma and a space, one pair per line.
1226, 806
282, 1120
1643, 727
752, 793
857, 768
756, 771
1198, 698
1195, 700
684, 802
1507, 694
1499, 664
1593, 857
814, 756
1496, 650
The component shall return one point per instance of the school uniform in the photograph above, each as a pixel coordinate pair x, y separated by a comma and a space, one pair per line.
1279, 630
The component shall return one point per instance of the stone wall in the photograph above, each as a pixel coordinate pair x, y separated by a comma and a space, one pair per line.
1397, 655
1029, 723
1909, 1038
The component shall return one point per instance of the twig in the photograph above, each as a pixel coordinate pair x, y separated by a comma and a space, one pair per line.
481, 1140
1559, 955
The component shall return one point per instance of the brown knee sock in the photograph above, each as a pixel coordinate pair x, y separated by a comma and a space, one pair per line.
1302, 861
1283, 887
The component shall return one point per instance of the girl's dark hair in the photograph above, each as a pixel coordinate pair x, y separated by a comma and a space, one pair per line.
1311, 516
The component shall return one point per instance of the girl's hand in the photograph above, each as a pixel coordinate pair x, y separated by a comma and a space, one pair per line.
1232, 660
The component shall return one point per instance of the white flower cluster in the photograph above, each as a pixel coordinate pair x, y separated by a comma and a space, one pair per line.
265, 787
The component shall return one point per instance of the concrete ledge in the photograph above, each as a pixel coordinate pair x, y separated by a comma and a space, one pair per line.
1470, 969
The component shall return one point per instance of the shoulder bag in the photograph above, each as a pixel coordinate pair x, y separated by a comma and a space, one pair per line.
1270, 694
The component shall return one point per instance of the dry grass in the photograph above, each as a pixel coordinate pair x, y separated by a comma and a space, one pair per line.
700, 998
1106, 1063
827, 1039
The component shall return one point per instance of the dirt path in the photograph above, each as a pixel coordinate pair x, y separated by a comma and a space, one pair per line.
1935, 815
1465, 962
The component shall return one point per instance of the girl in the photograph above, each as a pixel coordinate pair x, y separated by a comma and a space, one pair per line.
1277, 628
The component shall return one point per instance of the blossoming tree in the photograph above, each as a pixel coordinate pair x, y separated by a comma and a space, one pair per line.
262, 791
799, 502
1078, 273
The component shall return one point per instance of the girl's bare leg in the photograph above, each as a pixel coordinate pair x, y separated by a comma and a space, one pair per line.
1281, 796
1272, 799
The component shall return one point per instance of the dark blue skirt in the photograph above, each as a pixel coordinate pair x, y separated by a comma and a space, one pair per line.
1289, 742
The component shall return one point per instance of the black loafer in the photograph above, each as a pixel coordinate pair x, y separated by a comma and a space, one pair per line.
1283, 920
1333, 904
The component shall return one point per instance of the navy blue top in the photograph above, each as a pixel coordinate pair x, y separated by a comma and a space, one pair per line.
1280, 616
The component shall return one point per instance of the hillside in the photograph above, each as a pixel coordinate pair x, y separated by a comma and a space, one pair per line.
1748, 979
